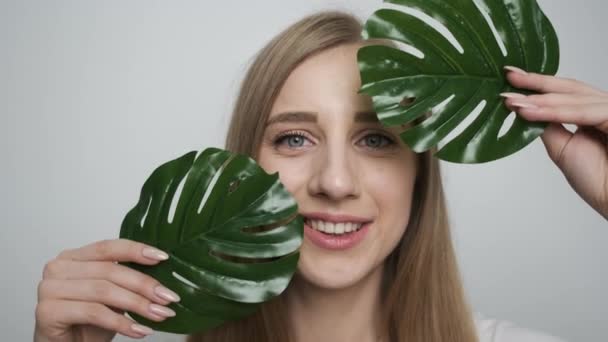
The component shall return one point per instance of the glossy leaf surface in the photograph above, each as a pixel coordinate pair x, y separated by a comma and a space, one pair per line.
453, 78
232, 232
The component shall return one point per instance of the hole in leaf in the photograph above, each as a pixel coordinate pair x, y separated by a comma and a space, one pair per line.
407, 101
184, 280
407, 48
464, 124
176, 196
434, 23
216, 176
507, 124
233, 185
241, 260
143, 219
431, 115
268, 227
485, 13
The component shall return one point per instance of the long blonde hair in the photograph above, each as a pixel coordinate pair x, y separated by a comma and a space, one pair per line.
423, 294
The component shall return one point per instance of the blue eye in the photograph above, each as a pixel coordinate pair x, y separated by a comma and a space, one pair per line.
377, 141
293, 140
297, 140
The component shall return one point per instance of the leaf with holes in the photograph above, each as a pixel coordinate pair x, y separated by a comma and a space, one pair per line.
448, 57
231, 230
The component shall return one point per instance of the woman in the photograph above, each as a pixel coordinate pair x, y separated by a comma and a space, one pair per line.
377, 262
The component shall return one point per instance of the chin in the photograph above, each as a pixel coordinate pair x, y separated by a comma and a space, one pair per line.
334, 271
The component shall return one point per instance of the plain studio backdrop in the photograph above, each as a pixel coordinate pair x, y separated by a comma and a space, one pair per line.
95, 94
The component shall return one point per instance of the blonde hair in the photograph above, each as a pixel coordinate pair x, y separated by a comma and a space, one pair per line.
423, 294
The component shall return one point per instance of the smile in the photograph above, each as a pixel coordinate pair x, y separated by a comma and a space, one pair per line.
334, 228
335, 232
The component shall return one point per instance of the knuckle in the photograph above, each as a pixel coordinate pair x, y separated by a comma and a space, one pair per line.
127, 242
137, 303
102, 289
51, 269
145, 283
44, 289
93, 314
543, 80
573, 81
122, 324
64, 254
102, 248
105, 268
44, 310
136, 281
538, 99
117, 322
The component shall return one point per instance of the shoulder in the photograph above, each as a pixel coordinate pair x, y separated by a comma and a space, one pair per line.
493, 330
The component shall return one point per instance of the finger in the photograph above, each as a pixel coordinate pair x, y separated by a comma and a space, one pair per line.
68, 313
116, 250
104, 292
553, 99
130, 279
595, 115
556, 138
550, 84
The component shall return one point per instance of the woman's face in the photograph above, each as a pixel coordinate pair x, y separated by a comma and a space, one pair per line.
352, 178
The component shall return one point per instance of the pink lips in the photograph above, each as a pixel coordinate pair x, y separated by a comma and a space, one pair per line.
336, 242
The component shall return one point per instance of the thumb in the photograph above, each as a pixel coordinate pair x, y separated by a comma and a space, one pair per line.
556, 138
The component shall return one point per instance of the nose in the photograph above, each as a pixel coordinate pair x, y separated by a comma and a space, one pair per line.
334, 176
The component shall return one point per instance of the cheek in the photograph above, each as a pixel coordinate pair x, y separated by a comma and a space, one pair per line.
391, 187
292, 171
392, 184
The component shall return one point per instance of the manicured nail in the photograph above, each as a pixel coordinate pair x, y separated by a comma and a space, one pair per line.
140, 329
154, 254
161, 310
166, 294
512, 95
524, 105
515, 69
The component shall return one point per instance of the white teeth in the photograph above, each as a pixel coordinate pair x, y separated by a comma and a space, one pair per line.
339, 228
334, 228
348, 227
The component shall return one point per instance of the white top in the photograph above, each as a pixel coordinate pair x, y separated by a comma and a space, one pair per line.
492, 330
488, 330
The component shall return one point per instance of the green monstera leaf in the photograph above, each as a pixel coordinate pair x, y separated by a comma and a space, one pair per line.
231, 230
452, 79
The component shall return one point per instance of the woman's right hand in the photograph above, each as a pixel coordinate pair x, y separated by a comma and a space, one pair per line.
83, 293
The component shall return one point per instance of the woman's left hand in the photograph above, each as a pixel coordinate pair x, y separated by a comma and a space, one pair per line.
581, 156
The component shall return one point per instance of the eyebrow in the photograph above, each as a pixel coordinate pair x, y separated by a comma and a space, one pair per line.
366, 116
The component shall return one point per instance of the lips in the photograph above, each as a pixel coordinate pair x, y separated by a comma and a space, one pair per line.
336, 241
336, 218
331, 231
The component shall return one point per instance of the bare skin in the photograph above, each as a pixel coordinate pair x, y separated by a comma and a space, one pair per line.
339, 164
83, 292
581, 156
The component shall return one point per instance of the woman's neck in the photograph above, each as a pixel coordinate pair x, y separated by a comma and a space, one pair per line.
337, 315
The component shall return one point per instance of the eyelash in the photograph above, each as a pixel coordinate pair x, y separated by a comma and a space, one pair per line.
281, 138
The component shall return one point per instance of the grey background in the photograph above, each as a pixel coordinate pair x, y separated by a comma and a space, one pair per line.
95, 94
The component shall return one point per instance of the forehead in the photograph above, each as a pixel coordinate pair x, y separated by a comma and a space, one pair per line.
327, 82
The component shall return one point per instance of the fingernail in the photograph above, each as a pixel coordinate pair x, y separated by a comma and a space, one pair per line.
166, 294
524, 105
161, 310
512, 95
140, 329
515, 69
154, 254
